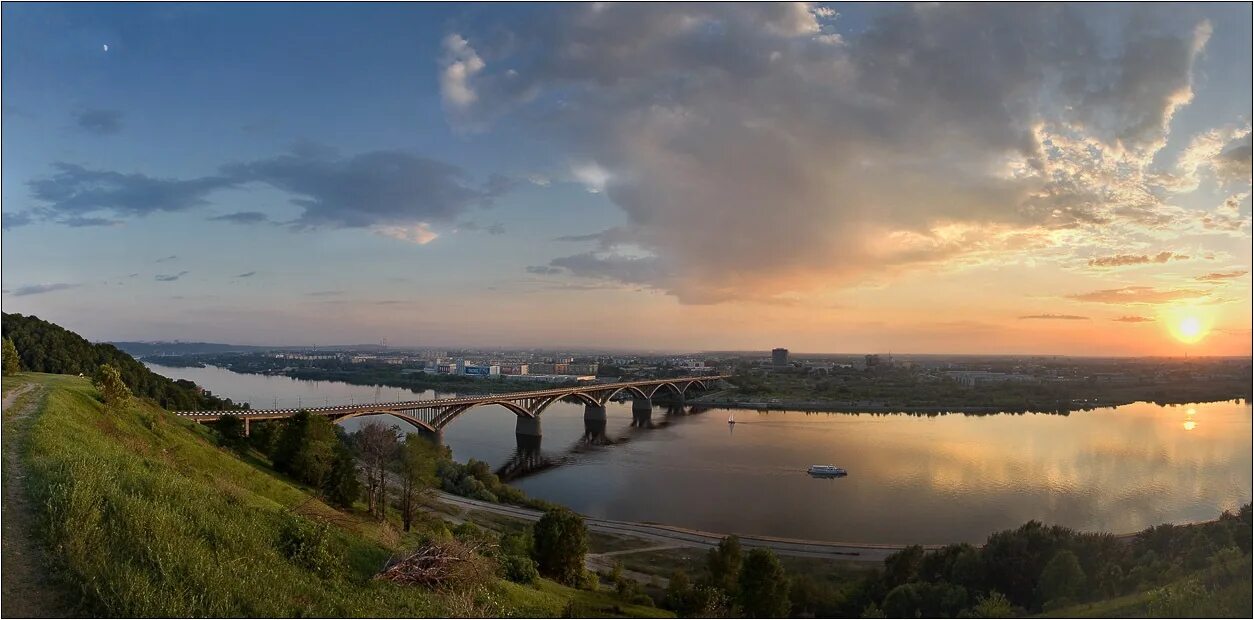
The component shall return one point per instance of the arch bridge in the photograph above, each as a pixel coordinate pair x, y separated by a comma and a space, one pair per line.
432, 416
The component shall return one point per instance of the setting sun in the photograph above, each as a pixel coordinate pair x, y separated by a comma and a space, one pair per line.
1189, 325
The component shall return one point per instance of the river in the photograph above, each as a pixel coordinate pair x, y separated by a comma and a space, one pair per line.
912, 479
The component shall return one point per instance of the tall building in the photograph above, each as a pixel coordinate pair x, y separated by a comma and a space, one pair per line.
779, 357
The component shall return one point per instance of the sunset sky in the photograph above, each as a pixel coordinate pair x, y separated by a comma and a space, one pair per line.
1057, 179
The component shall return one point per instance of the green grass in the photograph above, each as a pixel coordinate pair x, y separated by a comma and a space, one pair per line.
144, 515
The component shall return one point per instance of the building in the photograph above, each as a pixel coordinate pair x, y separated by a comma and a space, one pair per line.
779, 357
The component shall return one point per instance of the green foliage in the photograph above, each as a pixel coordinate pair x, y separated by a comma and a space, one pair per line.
117, 397
305, 449
561, 540
994, 605
46, 347
231, 430
763, 586
1061, 579
416, 462
12, 362
519, 569
723, 565
308, 545
341, 486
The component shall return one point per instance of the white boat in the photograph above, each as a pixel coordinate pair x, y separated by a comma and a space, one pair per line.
731, 419
827, 470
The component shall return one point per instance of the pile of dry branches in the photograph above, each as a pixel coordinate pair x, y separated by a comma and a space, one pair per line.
441, 564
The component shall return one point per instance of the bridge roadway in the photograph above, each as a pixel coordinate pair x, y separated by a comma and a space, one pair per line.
433, 415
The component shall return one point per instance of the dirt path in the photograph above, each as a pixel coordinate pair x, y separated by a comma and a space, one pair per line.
24, 590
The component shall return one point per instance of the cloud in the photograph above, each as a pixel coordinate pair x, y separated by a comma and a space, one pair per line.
242, 217
246, 274
1133, 319
753, 157
169, 277
379, 188
1220, 276
1121, 260
1233, 162
100, 122
325, 293
37, 289
1138, 295
78, 221
75, 191
419, 233
166, 259
16, 220
461, 64
396, 193
1059, 317
544, 270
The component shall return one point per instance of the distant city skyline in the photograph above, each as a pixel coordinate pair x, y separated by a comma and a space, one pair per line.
916, 179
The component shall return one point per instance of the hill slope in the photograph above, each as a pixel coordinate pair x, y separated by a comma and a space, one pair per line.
144, 515
48, 347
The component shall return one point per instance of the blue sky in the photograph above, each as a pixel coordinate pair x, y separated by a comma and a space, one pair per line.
697, 177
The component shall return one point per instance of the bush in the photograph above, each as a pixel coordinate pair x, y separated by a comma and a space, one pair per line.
308, 544
519, 569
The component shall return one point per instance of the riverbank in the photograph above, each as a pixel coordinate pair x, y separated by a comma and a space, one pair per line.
829, 406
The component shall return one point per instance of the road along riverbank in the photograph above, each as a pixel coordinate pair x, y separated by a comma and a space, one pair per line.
678, 536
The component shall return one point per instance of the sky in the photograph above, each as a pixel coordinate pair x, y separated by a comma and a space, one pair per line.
1064, 179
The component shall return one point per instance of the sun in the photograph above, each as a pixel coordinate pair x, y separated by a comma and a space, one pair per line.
1189, 328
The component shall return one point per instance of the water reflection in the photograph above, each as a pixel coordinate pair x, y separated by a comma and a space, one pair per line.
924, 479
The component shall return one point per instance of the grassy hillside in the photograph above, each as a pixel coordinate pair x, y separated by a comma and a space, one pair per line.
48, 347
144, 515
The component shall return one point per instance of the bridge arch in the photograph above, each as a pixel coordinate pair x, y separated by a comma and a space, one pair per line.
635, 391
446, 417
396, 414
674, 389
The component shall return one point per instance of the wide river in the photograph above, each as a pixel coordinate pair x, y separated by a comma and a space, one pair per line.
912, 479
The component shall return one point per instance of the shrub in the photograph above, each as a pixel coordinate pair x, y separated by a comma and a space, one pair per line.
308, 544
519, 569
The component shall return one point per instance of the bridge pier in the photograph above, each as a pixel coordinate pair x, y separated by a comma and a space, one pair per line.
594, 432
527, 425
642, 412
247, 431
594, 413
435, 437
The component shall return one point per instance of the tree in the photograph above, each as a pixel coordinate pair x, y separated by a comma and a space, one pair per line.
377, 444
723, 563
305, 449
117, 397
231, 429
1061, 579
415, 465
342, 487
763, 591
561, 540
12, 363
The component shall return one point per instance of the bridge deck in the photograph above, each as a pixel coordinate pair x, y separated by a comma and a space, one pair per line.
482, 399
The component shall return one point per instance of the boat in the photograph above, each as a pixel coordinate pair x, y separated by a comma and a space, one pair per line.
731, 418
826, 470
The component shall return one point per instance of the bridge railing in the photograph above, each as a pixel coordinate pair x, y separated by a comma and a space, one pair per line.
461, 400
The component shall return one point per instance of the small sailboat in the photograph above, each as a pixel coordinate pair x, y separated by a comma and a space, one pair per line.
731, 418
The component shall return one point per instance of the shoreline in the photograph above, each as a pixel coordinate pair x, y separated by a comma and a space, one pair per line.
804, 406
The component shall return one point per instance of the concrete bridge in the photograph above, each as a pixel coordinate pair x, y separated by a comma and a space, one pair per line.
431, 416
